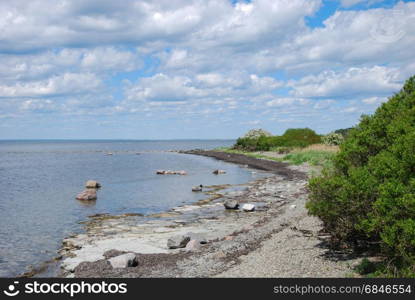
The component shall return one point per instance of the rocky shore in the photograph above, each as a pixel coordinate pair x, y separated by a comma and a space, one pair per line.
277, 239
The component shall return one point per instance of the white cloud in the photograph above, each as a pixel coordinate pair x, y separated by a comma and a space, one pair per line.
354, 81
65, 84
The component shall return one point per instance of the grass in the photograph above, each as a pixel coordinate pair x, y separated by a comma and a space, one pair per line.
315, 155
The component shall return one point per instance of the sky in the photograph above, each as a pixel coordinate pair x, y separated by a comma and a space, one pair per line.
197, 69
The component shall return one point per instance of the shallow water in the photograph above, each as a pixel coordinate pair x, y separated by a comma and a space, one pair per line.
39, 182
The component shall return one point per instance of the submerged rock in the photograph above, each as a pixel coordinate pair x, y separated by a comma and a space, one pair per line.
92, 184
248, 207
124, 261
179, 241
231, 204
217, 172
87, 195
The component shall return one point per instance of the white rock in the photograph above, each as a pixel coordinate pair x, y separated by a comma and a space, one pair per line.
123, 260
248, 207
293, 206
193, 245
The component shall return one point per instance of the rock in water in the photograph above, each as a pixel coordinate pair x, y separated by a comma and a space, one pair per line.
217, 172
179, 241
92, 184
87, 195
197, 188
124, 261
231, 204
248, 207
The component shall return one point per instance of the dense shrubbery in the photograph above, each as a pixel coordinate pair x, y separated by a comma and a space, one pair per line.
368, 197
301, 137
332, 139
344, 132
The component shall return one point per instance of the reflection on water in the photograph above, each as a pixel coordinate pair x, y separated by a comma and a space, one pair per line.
39, 182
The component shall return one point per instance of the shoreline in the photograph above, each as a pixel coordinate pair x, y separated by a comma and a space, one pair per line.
231, 235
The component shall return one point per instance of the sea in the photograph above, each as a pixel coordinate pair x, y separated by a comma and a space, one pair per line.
39, 181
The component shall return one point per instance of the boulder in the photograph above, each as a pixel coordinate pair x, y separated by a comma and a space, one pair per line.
87, 195
248, 207
179, 241
231, 204
124, 261
92, 184
217, 172
197, 188
192, 245
198, 237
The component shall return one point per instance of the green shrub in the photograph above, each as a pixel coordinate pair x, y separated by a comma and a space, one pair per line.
302, 137
368, 197
332, 139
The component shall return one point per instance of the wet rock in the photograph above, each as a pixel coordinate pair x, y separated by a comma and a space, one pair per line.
192, 245
179, 241
87, 195
124, 261
198, 188
231, 204
248, 207
169, 172
217, 172
92, 184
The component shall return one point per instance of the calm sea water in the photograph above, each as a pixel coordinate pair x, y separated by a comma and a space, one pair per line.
40, 179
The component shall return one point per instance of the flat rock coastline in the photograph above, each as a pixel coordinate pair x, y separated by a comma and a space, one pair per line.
278, 239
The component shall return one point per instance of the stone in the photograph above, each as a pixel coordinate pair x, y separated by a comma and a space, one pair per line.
92, 184
169, 172
217, 172
197, 188
231, 204
87, 195
124, 261
179, 241
192, 245
198, 237
248, 207
229, 238
293, 206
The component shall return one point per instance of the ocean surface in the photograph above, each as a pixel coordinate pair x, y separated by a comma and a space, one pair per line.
40, 179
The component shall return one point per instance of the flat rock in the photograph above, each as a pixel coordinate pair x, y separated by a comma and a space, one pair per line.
123, 261
248, 207
179, 241
231, 204
87, 195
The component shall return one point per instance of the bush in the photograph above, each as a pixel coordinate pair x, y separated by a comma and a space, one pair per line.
302, 137
368, 197
256, 133
332, 139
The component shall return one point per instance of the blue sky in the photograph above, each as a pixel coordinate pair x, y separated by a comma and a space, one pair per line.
197, 69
